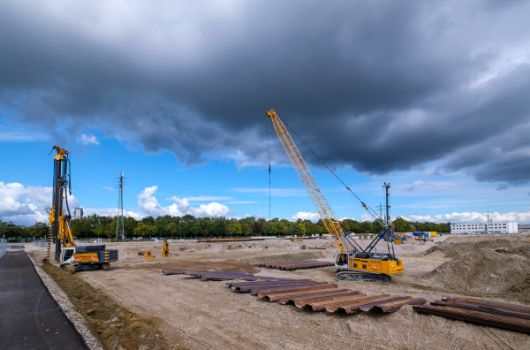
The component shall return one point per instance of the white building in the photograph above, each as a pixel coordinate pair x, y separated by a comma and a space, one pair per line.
480, 228
523, 228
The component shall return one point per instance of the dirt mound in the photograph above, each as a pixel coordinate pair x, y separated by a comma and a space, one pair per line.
456, 246
494, 267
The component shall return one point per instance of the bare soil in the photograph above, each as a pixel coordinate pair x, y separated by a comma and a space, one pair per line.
115, 326
207, 315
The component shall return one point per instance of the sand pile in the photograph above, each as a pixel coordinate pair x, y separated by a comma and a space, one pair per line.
495, 267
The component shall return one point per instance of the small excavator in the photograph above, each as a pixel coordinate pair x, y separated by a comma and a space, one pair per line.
353, 262
69, 255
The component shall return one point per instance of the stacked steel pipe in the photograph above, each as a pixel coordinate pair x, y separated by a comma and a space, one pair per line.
305, 294
320, 296
219, 275
479, 311
296, 265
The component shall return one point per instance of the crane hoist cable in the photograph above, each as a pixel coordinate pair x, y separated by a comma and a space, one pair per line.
269, 169
323, 163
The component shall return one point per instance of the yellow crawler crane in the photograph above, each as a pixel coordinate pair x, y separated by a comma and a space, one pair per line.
352, 261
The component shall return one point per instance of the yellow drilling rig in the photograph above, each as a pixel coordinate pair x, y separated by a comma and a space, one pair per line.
353, 262
67, 252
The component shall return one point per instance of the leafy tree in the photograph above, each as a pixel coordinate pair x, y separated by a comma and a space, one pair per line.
189, 226
145, 229
301, 227
234, 228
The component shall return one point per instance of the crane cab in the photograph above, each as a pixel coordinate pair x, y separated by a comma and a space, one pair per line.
67, 255
353, 268
387, 266
345, 261
87, 257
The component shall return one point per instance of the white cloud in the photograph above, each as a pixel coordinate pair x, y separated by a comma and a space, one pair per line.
472, 216
24, 205
366, 217
306, 215
88, 139
149, 204
243, 202
110, 212
7, 135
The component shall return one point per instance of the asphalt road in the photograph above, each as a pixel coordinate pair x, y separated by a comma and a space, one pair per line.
29, 317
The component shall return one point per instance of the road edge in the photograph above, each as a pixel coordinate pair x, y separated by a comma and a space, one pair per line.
60, 297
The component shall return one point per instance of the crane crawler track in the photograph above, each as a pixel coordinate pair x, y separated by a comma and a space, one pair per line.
354, 275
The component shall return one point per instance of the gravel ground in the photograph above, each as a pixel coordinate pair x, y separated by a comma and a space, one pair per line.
207, 315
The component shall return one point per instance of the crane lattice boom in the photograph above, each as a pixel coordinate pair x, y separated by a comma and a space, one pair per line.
320, 202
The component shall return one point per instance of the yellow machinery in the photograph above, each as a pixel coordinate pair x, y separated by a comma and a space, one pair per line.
165, 249
59, 222
148, 255
67, 252
353, 262
401, 238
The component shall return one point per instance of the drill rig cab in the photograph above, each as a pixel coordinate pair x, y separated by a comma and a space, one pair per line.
67, 252
353, 262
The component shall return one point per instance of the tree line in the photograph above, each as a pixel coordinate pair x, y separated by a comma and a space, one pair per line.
190, 227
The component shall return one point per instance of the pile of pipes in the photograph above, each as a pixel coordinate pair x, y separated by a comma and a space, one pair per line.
320, 296
484, 312
224, 240
296, 265
304, 294
221, 275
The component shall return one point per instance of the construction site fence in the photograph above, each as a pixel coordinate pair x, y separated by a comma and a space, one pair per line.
3, 246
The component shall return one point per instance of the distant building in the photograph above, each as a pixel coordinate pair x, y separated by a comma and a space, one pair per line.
480, 228
523, 228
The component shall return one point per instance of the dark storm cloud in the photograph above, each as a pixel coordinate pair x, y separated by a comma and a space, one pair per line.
378, 85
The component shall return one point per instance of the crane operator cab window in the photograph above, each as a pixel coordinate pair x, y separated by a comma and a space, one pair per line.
342, 260
67, 254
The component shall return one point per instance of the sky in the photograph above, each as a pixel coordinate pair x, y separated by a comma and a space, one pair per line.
430, 96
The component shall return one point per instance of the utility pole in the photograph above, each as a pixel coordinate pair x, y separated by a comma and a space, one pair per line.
120, 221
387, 215
487, 222
78, 213
380, 207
